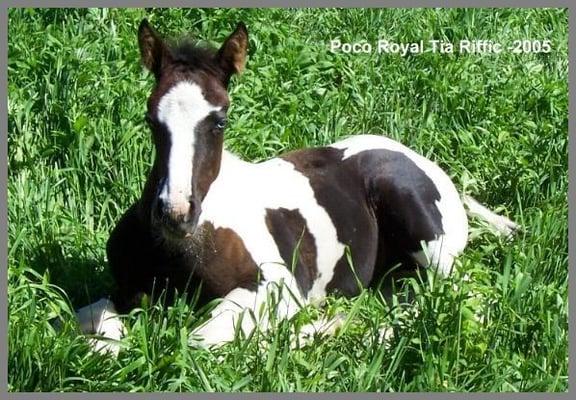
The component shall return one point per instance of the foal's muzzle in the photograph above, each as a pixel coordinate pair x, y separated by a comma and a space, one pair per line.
175, 221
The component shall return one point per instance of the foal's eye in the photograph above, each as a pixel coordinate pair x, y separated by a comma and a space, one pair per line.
220, 123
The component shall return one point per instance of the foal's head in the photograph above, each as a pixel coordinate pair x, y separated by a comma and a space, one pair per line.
187, 115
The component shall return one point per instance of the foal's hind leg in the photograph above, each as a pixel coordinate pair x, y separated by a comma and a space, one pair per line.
422, 218
418, 208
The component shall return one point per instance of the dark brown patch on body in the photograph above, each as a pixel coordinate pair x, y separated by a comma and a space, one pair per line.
340, 191
296, 244
226, 263
402, 195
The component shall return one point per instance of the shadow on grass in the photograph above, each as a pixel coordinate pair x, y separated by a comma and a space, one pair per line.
392, 282
84, 280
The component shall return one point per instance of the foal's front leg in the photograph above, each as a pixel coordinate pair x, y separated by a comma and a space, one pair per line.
246, 310
101, 319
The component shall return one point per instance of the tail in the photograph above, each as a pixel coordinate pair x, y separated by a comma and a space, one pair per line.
498, 223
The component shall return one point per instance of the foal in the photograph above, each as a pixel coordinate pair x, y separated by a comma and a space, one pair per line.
286, 225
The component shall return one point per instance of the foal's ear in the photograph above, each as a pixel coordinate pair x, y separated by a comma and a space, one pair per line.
232, 54
153, 51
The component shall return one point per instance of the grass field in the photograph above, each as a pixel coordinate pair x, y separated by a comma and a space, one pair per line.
79, 151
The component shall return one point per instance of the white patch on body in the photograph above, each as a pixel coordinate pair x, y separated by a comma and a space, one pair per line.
441, 251
181, 109
100, 318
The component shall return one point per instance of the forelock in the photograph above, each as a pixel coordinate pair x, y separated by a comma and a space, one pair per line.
195, 55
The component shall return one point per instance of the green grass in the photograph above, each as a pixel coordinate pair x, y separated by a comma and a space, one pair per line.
79, 151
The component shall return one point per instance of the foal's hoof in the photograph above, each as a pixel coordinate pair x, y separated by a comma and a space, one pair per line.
105, 346
320, 328
506, 227
197, 343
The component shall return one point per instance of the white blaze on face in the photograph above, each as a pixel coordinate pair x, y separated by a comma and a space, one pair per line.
181, 109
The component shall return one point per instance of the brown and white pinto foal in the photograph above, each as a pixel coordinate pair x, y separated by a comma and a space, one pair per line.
243, 229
